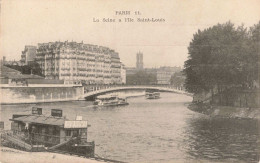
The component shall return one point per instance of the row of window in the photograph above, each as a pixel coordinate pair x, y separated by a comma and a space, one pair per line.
89, 75
73, 51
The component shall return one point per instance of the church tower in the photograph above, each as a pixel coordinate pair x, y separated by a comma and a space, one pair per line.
139, 61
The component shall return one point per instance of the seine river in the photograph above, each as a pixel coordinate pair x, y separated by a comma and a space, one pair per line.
161, 130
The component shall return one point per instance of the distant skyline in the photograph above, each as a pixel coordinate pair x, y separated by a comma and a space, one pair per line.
29, 22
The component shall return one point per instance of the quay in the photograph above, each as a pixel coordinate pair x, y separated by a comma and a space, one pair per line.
11, 155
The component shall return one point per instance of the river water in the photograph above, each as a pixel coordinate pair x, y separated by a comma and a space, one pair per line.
161, 130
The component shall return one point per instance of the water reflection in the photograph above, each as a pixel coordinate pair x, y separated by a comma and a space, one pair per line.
222, 139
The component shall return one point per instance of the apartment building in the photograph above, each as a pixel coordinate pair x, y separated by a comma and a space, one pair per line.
72, 61
28, 54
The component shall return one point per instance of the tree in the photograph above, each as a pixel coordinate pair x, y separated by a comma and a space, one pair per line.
254, 34
178, 79
140, 78
32, 68
35, 68
219, 56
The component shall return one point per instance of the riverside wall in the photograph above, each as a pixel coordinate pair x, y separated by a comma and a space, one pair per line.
235, 97
37, 94
235, 102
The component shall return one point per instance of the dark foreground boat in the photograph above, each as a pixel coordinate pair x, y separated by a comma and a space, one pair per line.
37, 132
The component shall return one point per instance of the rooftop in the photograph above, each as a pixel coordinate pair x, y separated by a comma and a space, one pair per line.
74, 45
41, 119
50, 120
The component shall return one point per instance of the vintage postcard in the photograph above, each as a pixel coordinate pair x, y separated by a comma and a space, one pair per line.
130, 81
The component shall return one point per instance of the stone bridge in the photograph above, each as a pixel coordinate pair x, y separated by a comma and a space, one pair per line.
96, 91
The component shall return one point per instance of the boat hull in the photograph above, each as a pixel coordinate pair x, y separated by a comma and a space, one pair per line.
152, 97
117, 104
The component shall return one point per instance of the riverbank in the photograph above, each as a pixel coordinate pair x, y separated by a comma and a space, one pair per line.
10, 155
225, 111
14, 102
36, 102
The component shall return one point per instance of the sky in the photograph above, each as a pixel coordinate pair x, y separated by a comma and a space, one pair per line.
28, 22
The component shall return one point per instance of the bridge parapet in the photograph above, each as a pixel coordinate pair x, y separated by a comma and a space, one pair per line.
99, 87
95, 91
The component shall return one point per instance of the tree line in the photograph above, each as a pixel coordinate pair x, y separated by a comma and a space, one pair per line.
223, 56
141, 78
32, 68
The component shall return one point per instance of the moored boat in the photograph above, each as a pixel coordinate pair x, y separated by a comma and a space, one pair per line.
38, 132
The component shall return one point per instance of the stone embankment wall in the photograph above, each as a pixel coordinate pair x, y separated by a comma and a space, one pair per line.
40, 94
238, 98
235, 97
233, 102
225, 111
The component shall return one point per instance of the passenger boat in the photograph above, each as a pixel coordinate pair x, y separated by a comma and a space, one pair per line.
152, 95
38, 132
111, 100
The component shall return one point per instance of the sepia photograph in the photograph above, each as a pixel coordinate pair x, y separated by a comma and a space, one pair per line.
134, 81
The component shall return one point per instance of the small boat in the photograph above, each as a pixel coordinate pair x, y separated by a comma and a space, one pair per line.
111, 100
152, 95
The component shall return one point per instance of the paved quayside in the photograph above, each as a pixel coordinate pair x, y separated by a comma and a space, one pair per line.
12, 156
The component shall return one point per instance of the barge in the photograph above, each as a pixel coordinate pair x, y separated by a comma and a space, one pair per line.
38, 132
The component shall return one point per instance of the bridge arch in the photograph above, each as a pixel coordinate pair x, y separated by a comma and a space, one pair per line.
91, 95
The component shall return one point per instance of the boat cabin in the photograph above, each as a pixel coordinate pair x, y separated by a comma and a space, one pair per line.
152, 94
110, 100
39, 129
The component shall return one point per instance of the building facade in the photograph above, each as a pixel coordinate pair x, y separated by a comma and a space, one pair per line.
123, 73
164, 74
72, 61
28, 55
115, 68
131, 70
